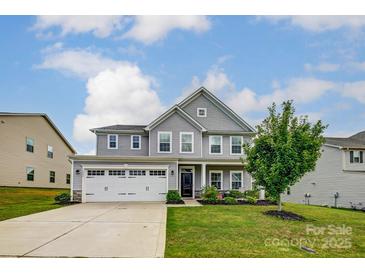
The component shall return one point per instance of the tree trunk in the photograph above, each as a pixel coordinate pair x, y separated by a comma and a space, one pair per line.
279, 203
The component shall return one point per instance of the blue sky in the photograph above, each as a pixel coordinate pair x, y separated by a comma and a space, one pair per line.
86, 72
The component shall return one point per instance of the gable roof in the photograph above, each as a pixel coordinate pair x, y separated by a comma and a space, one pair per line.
119, 128
356, 141
218, 103
45, 116
169, 112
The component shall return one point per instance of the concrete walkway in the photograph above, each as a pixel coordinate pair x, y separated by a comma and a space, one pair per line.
88, 230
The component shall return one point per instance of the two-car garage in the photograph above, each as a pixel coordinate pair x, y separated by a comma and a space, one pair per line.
125, 184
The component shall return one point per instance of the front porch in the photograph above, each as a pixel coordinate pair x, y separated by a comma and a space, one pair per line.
193, 177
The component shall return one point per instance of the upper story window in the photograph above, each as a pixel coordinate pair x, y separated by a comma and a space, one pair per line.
201, 112
50, 152
68, 178
236, 145
112, 141
215, 145
356, 156
52, 176
186, 142
30, 144
136, 142
164, 141
30, 174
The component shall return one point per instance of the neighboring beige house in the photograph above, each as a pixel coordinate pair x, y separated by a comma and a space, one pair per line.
33, 152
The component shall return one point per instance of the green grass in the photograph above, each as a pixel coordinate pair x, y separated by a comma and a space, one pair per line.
19, 201
241, 231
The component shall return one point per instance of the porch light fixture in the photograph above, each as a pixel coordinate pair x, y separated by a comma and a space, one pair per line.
172, 172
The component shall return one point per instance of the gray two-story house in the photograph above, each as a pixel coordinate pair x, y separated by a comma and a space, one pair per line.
195, 143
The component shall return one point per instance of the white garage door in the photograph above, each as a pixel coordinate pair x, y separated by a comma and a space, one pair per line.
111, 185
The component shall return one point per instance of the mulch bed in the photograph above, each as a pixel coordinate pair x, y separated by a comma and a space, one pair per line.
175, 202
286, 215
239, 202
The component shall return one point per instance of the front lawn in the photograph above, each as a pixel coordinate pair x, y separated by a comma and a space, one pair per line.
243, 231
19, 201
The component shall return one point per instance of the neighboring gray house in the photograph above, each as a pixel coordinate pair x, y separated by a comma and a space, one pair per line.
339, 177
195, 143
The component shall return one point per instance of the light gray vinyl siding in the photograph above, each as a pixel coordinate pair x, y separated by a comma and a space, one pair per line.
226, 148
216, 119
327, 179
77, 178
176, 124
124, 146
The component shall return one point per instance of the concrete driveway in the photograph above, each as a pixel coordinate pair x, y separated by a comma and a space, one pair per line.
132, 229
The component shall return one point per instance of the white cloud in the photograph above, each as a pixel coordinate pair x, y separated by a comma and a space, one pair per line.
100, 26
320, 23
355, 90
322, 67
119, 96
144, 28
301, 90
356, 66
216, 81
152, 28
81, 63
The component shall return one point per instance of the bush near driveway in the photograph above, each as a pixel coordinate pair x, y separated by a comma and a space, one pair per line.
20, 201
244, 231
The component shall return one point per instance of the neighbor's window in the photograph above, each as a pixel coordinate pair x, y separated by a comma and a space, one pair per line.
215, 144
52, 176
68, 178
135, 142
356, 156
30, 144
164, 141
186, 142
236, 144
112, 141
50, 152
216, 179
236, 179
30, 174
201, 112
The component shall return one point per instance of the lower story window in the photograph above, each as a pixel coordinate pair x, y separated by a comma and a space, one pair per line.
236, 179
30, 174
216, 179
68, 178
52, 176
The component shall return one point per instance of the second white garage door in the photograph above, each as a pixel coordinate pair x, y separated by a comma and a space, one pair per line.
112, 185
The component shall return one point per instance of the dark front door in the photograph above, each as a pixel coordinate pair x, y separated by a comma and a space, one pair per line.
187, 184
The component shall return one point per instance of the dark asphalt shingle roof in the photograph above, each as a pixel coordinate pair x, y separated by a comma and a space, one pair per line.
354, 141
121, 127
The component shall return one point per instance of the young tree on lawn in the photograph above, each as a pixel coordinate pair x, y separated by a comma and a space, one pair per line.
284, 149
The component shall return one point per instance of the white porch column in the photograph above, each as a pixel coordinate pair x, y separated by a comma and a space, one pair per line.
203, 177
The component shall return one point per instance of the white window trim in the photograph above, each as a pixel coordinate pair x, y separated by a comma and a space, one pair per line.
158, 141
230, 177
230, 145
139, 141
116, 140
192, 142
210, 143
197, 112
210, 177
